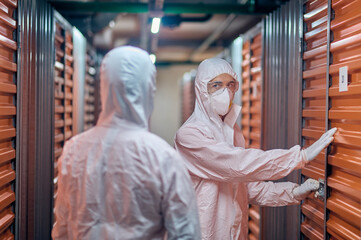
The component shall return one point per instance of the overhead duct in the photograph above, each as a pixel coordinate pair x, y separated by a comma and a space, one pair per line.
214, 36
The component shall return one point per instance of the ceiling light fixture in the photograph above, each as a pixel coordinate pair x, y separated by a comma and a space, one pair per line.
111, 24
155, 25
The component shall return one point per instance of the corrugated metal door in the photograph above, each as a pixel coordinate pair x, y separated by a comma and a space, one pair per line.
314, 105
89, 89
8, 67
246, 60
344, 161
252, 82
63, 83
332, 60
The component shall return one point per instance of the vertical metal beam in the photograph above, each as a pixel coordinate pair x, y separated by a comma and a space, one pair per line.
34, 187
327, 106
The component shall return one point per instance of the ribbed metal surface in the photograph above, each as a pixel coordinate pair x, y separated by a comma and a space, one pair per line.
8, 70
282, 104
34, 145
246, 66
327, 107
314, 108
63, 89
344, 179
252, 94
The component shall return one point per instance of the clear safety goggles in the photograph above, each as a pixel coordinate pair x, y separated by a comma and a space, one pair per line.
217, 85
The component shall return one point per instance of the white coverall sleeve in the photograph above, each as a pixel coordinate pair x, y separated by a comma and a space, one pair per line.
179, 205
210, 159
271, 194
61, 211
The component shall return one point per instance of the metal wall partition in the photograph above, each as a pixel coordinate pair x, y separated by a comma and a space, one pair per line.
252, 94
8, 71
282, 106
63, 88
35, 105
332, 99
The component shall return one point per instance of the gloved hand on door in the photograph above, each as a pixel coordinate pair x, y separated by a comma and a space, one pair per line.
302, 191
312, 151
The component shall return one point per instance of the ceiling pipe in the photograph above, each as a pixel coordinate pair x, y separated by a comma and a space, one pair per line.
213, 37
144, 31
155, 8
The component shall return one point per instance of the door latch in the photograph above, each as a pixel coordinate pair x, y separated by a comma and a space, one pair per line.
320, 193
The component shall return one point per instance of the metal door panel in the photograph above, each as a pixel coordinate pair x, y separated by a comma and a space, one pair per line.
344, 181
252, 108
8, 68
313, 113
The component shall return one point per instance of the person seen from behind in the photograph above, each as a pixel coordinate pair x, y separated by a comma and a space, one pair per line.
118, 180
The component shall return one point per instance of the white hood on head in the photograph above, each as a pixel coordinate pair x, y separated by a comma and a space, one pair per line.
207, 70
127, 86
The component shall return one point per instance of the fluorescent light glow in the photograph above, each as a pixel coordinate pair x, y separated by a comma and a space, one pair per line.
111, 24
155, 25
153, 58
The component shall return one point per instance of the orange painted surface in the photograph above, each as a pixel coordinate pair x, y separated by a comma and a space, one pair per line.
314, 102
344, 179
63, 92
8, 68
252, 111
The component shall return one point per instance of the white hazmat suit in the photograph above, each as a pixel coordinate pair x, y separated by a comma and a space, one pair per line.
118, 180
225, 175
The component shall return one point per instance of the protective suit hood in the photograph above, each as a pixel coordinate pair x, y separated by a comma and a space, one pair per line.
117, 180
207, 70
127, 86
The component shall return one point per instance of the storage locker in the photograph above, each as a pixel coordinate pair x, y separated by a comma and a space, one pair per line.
63, 88
332, 62
252, 94
8, 71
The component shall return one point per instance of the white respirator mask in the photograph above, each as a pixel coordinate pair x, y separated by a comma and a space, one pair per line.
220, 101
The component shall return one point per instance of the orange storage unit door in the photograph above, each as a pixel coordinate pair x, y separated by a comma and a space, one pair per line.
63, 89
314, 108
252, 107
344, 160
245, 122
8, 69
332, 98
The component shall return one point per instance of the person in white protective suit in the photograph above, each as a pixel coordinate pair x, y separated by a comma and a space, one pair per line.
225, 175
118, 180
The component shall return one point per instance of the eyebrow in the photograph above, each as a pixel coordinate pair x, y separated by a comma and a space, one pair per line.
215, 82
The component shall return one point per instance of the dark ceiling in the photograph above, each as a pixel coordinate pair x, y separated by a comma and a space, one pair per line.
190, 30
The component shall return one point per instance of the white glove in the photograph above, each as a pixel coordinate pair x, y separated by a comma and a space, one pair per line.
312, 151
305, 188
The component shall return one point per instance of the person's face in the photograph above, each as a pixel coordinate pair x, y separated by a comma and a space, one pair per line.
223, 81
